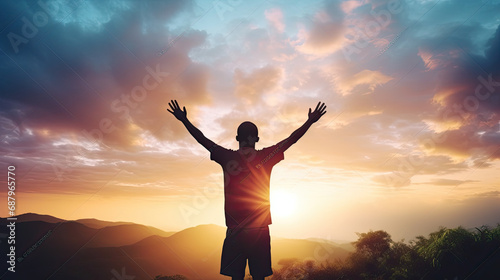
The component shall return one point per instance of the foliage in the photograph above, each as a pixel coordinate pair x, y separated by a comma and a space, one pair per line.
455, 253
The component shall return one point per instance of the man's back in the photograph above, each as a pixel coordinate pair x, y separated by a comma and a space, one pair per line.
247, 175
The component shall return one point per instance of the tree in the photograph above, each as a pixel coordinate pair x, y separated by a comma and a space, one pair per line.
448, 251
373, 243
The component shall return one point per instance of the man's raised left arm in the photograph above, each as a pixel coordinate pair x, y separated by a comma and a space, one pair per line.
181, 115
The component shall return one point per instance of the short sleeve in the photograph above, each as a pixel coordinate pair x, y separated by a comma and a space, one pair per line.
218, 153
272, 155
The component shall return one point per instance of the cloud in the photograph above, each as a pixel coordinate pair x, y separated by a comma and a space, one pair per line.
263, 80
104, 84
275, 17
366, 77
448, 182
326, 32
419, 215
466, 101
349, 6
384, 108
486, 194
464, 143
430, 62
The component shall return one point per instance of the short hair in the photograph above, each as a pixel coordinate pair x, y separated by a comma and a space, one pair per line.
247, 129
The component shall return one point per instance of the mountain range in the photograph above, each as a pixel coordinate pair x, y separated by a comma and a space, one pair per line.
48, 247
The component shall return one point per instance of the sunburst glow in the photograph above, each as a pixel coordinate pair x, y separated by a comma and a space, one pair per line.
283, 203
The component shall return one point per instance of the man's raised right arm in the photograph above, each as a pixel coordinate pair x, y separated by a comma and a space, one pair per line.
181, 115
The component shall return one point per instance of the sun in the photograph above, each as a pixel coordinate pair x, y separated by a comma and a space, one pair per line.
283, 203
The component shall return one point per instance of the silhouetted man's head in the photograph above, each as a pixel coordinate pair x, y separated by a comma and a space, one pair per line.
248, 134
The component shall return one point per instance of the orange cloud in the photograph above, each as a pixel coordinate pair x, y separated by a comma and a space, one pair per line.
324, 37
366, 77
430, 61
251, 86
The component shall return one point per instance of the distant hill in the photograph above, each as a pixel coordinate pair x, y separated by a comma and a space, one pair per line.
193, 252
46, 247
29, 217
305, 249
75, 250
340, 243
98, 224
124, 234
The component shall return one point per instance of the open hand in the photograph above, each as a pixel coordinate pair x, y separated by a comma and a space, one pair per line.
318, 112
176, 110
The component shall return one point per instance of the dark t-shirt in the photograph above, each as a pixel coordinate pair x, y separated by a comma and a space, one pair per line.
247, 175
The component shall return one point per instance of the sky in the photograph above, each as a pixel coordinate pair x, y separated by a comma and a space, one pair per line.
410, 141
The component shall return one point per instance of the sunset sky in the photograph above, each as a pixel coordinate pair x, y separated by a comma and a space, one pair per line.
410, 141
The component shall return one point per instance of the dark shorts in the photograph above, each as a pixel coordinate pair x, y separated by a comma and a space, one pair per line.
253, 244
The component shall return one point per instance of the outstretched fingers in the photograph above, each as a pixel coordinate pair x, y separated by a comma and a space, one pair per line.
317, 106
320, 107
321, 110
174, 106
171, 108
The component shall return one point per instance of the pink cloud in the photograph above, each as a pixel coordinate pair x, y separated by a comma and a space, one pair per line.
348, 6
430, 61
324, 37
275, 17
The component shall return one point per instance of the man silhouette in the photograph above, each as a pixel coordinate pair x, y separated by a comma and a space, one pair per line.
247, 173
